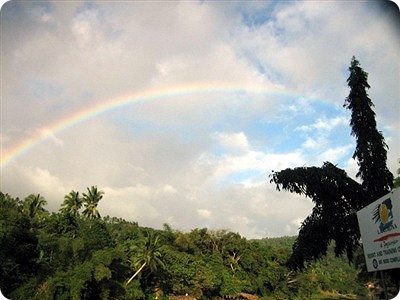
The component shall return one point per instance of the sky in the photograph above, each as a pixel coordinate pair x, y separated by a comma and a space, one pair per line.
180, 111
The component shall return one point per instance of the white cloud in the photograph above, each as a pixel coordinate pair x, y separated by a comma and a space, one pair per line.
45, 132
251, 162
134, 192
83, 27
311, 47
324, 125
44, 180
313, 144
325, 140
235, 143
169, 189
24, 181
41, 14
204, 213
336, 154
196, 159
351, 168
131, 203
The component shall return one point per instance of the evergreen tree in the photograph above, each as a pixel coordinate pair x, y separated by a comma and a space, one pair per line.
371, 149
336, 196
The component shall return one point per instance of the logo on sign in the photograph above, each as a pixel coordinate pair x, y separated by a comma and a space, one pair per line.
383, 215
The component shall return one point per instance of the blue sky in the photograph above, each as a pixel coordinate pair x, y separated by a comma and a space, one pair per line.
197, 159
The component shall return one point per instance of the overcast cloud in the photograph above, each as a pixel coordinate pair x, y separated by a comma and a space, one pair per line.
194, 159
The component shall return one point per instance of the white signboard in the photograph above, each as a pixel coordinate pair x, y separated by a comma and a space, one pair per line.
380, 232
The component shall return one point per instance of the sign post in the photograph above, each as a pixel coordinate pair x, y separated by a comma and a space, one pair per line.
379, 225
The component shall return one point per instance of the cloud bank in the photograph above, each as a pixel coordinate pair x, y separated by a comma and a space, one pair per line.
196, 159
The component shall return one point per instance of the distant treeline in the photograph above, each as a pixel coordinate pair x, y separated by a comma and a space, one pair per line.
77, 254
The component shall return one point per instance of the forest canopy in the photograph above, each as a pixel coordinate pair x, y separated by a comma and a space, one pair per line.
76, 254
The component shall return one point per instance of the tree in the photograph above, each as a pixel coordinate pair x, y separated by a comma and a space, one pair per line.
72, 203
50, 263
91, 199
371, 149
99, 277
18, 242
147, 256
185, 273
34, 205
336, 196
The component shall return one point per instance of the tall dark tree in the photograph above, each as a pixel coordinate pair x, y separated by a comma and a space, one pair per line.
336, 196
371, 149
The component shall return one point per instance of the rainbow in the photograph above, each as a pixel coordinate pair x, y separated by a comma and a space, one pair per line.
22, 147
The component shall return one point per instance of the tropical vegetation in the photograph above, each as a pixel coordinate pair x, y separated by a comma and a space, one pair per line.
76, 253
71, 255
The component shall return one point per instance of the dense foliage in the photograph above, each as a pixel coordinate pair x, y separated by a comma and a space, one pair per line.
74, 255
371, 149
336, 196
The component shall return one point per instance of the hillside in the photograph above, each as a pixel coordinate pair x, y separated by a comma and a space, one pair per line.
81, 255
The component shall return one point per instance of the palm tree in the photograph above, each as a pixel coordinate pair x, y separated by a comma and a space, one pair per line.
33, 205
148, 256
72, 203
91, 200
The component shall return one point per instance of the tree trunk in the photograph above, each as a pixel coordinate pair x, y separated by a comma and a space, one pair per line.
137, 272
